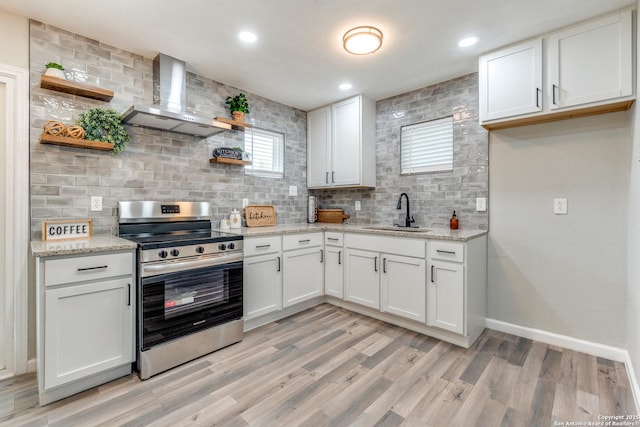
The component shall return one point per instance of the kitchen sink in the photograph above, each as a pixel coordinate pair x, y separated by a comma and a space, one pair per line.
397, 228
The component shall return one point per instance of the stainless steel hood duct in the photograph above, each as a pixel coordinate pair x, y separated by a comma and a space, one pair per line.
169, 99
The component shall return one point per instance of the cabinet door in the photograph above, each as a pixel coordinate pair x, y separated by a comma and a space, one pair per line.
362, 277
403, 286
88, 329
346, 143
318, 147
334, 271
511, 81
446, 296
262, 281
591, 62
303, 276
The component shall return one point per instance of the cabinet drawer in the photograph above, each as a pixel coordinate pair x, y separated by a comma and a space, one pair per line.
390, 245
333, 239
91, 267
262, 245
446, 251
300, 241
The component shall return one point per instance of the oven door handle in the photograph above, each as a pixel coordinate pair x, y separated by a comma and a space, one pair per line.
172, 267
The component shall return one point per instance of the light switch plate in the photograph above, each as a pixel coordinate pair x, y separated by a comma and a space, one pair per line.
481, 204
293, 190
560, 206
245, 203
358, 205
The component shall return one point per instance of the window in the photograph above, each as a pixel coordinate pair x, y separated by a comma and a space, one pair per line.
267, 153
426, 146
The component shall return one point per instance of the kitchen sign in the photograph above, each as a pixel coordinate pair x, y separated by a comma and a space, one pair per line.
67, 229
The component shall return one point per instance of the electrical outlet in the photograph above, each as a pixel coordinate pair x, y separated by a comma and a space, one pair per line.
293, 190
560, 206
96, 203
245, 203
481, 204
358, 205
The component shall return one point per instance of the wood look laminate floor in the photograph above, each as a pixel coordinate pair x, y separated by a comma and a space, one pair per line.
330, 367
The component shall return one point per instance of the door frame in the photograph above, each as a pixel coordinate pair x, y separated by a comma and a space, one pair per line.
16, 229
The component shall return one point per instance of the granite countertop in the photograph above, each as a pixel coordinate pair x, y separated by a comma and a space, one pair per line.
101, 243
433, 233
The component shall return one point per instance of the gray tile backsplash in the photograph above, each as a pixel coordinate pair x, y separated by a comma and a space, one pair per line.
434, 196
160, 165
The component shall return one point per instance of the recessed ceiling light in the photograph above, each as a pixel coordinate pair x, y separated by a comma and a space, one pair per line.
468, 41
247, 37
362, 40
345, 86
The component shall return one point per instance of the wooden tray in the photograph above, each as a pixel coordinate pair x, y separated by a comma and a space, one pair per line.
335, 216
260, 216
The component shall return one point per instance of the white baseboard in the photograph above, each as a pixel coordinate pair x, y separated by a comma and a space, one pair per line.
589, 347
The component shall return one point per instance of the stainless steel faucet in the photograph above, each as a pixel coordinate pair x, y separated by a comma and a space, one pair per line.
408, 219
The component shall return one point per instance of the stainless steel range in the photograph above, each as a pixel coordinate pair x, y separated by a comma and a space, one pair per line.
189, 290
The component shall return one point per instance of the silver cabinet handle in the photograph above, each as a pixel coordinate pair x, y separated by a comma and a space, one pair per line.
321, 256
93, 268
432, 275
445, 252
375, 264
263, 246
339, 257
278, 264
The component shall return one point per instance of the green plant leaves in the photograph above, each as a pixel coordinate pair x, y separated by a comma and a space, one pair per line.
238, 103
104, 125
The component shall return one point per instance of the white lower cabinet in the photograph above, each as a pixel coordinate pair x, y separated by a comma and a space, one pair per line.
402, 286
262, 279
262, 276
362, 278
85, 316
303, 259
89, 329
446, 296
334, 265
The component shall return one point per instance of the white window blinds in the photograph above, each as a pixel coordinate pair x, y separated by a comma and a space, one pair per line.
267, 153
426, 146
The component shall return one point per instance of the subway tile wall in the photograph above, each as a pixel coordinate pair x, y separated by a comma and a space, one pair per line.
168, 166
434, 196
155, 165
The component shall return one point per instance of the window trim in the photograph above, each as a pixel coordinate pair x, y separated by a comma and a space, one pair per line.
250, 170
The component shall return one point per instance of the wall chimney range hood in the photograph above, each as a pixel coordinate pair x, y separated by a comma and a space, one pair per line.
169, 99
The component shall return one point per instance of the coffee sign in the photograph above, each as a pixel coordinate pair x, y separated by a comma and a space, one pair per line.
67, 229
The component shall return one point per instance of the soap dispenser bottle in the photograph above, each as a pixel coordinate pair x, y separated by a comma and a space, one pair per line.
235, 220
453, 222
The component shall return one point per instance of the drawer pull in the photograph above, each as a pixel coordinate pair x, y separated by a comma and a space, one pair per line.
304, 241
446, 252
333, 239
262, 246
93, 268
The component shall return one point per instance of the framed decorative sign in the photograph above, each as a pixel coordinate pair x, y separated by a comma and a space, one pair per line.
67, 229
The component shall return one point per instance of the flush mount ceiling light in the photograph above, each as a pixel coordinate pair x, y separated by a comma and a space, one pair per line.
362, 40
469, 41
247, 37
345, 86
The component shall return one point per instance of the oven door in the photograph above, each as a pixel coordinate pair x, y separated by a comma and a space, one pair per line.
178, 303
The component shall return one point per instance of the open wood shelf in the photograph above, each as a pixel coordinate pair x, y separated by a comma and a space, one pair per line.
75, 88
236, 125
228, 161
75, 142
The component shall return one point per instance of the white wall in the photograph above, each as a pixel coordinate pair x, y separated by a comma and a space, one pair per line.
561, 273
14, 40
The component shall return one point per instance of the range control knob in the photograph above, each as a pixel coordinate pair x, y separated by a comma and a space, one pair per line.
231, 246
163, 254
200, 249
175, 252
222, 246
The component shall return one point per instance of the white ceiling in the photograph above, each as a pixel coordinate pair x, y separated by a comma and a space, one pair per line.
298, 59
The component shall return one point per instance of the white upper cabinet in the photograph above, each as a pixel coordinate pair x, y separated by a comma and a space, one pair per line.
591, 62
511, 81
341, 145
581, 70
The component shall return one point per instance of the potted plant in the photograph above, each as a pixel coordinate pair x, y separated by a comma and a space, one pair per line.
54, 70
239, 106
104, 125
